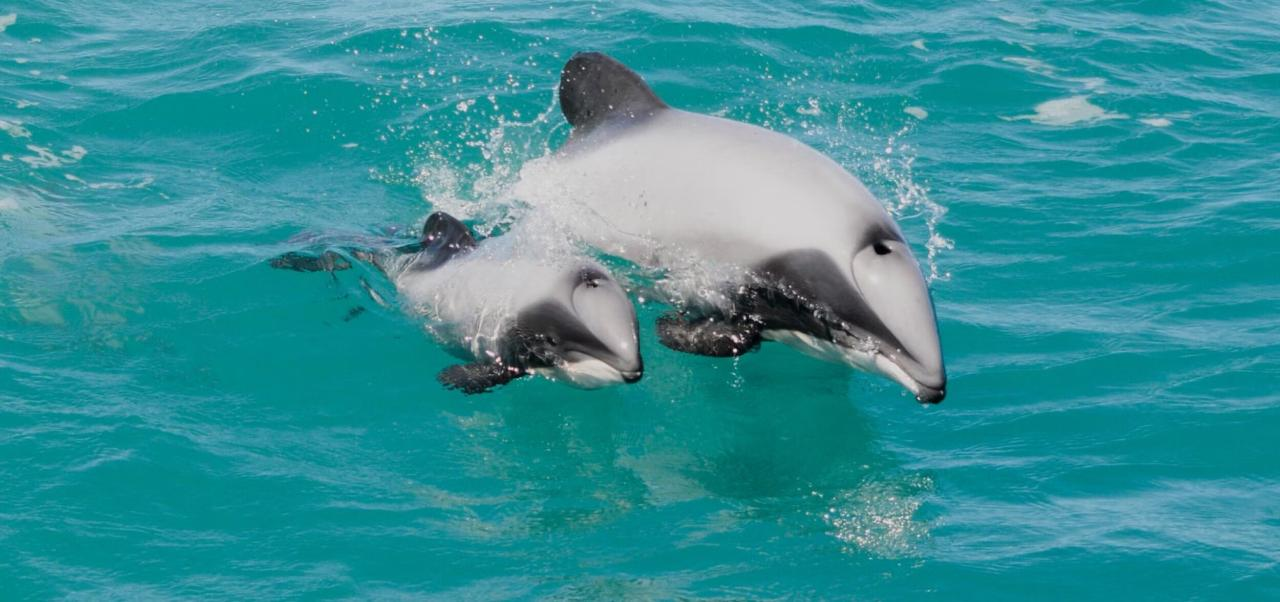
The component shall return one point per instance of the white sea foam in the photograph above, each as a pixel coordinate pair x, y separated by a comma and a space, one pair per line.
1019, 20
1156, 122
7, 20
1038, 67
143, 183
14, 129
917, 112
22, 104
75, 153
1090, 83
1068, 111
1033, 65
45, 157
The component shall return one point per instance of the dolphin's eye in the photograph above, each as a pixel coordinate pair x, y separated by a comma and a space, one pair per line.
590, 277
881, 248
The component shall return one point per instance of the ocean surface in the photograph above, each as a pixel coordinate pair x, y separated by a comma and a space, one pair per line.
1091, 186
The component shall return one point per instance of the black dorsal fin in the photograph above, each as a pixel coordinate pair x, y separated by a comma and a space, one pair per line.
595, 88
443, 238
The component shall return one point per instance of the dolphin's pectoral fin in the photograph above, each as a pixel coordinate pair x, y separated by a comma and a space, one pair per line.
478, 377
595, 88
715, 337
300, 262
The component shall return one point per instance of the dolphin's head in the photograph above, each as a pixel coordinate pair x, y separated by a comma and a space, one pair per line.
585, 333
871, 310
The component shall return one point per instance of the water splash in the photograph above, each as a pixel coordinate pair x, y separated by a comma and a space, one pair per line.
910, 199
879, 516
480, 191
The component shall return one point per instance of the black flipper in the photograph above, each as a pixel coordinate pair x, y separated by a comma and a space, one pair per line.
300, 262
595, 88
715, 337
443, 238
478, 377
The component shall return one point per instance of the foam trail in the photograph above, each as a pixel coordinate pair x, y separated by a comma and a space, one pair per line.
1068, 111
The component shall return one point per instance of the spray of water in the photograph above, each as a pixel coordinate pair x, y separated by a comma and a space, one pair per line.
474, 141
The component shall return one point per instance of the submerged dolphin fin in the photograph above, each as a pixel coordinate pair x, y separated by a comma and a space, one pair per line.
443, 238
595, 88
478, 377
709, 336
301, 262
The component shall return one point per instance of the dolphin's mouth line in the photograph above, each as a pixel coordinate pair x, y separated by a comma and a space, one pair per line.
847, 342
842, 335
576, 360
885, 363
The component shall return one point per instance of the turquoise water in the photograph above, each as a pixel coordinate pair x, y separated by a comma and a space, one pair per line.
1094, 188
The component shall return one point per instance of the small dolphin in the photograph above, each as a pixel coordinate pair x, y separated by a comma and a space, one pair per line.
510, 311
825, 268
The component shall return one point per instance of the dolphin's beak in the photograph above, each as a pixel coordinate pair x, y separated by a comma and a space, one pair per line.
924, 393
632, 375
874, 315
610, 318
893, 289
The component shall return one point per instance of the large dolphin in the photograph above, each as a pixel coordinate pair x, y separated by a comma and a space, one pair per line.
824, 267
509, 309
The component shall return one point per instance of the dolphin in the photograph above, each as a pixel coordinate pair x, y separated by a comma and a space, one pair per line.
507, 309
813, 259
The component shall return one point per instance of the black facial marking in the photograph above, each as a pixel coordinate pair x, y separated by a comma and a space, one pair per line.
546, 332
807, 292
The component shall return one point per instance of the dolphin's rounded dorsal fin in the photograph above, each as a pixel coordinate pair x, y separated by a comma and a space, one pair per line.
595, 88
443, 238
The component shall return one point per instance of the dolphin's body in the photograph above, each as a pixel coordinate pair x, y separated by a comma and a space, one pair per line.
823, 266
508, 309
